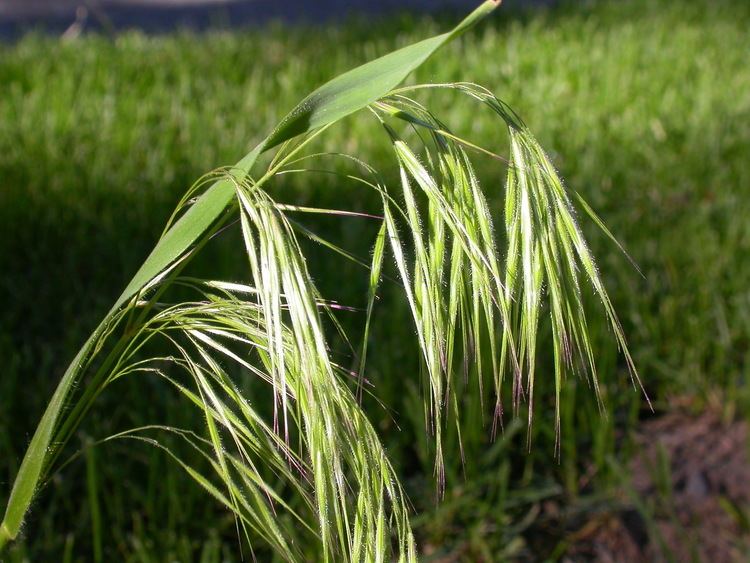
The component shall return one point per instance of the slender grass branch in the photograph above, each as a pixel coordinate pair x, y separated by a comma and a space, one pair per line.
471, 305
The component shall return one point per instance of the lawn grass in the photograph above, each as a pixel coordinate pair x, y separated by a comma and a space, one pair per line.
645, 107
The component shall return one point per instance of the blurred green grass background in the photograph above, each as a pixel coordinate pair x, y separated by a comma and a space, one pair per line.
645, 108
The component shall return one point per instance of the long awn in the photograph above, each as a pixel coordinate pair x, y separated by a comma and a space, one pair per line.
314, 454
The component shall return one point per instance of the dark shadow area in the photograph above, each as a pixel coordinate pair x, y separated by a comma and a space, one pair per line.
160, 16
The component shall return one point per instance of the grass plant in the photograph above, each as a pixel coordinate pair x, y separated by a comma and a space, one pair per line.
206, 339
338, 465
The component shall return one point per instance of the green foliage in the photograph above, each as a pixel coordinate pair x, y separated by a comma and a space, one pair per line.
336, 433
662, 191
342, 467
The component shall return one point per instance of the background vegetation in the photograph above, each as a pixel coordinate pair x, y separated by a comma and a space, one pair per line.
645, 107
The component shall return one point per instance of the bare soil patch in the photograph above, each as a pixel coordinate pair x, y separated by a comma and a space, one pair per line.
690, 493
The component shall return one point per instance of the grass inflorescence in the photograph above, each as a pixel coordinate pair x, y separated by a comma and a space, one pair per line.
101, 165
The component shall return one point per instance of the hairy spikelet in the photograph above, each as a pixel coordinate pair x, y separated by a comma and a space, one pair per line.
306, 467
